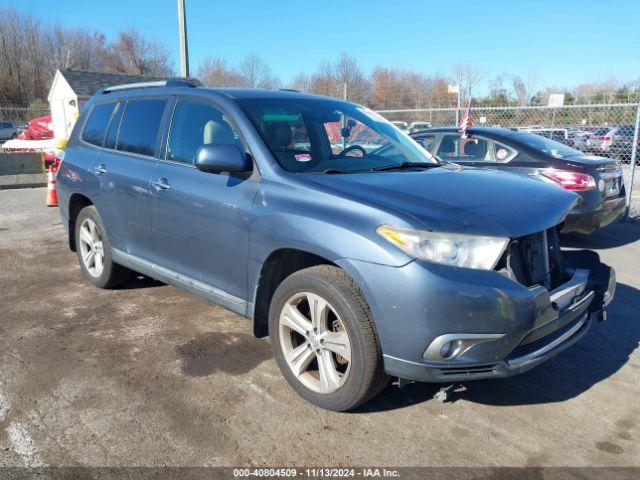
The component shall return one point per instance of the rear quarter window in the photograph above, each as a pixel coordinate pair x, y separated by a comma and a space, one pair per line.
96, 127
140, 124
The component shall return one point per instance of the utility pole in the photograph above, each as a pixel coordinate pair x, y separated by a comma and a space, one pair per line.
344, 123
184, 49
458, 107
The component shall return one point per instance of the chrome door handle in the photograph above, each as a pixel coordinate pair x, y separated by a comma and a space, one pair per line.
160, 184
100, 169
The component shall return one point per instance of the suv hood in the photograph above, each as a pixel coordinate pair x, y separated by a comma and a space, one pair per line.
460, 200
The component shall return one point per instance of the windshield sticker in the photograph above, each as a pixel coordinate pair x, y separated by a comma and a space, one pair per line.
303, 157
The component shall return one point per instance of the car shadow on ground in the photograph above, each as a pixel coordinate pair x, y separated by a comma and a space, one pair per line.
234, 353
601, 353
139, 281
615, 235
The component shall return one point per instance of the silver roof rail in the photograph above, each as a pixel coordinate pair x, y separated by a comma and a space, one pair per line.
154, 84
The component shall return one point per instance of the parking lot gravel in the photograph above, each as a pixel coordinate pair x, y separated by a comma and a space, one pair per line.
148, 375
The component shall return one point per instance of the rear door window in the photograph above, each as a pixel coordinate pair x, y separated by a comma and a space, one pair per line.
140, 124
427, 142
96, 127
454, 148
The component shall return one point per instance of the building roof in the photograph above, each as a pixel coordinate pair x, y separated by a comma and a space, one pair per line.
85, 83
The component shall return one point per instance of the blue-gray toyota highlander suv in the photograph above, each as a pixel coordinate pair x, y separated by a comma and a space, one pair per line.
361, 255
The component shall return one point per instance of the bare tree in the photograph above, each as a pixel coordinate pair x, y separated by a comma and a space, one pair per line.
216, 72
523, 88
257, 73
13, 56
301, 82
133, 53
332, 79
349, 78
469, 77
498, 93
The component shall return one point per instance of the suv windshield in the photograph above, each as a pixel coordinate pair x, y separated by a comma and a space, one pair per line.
310, 135
546, 145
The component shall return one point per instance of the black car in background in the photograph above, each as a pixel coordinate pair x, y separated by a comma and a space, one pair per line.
597, 180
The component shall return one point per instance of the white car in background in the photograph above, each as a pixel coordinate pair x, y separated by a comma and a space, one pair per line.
598, 138
404, 126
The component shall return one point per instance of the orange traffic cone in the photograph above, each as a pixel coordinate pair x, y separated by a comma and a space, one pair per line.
52, 194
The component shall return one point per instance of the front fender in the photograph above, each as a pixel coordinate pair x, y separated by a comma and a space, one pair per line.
309, 219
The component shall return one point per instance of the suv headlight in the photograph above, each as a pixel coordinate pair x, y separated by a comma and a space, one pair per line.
470, 251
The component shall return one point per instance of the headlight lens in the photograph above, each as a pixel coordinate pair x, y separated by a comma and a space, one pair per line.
470, 251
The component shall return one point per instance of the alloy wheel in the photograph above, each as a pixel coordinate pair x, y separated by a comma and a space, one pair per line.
315, 342
91, 247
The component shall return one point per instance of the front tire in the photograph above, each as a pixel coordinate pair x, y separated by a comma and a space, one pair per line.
324, 340
94, 251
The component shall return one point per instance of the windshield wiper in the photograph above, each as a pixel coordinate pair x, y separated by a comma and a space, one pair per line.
405, 166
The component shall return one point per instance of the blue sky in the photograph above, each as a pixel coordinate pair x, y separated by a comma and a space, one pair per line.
562, 42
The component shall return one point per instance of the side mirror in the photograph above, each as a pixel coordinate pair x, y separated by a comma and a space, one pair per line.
221, 158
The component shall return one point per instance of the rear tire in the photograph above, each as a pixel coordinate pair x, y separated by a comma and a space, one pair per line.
323, 339
94, 251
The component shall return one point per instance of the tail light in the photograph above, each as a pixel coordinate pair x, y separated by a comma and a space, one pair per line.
604, 138
573, 181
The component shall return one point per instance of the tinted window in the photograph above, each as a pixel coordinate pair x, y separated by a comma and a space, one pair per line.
426, 141
139, 127
454, 148
110, 141
195, 124
96, 126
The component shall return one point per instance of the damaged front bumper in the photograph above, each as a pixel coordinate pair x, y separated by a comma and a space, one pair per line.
518, 327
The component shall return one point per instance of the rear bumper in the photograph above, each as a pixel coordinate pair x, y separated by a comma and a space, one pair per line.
587, 222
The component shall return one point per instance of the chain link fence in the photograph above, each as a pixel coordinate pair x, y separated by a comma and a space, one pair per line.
609, 130
21, 115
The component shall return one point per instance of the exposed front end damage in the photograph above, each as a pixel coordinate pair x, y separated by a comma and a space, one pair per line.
571, 288
547, 304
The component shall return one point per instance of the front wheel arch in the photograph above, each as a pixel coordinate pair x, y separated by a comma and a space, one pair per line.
278, 266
